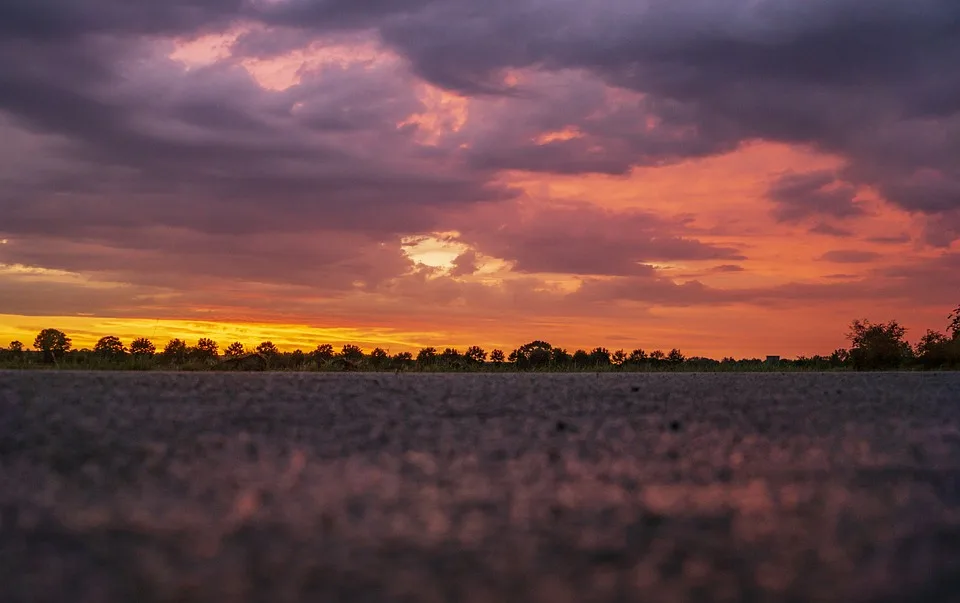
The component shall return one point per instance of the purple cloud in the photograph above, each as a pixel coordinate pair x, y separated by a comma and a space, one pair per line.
799, 196
849, 256
585, 239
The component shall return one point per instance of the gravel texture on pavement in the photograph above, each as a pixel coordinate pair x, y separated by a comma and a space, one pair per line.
553, 488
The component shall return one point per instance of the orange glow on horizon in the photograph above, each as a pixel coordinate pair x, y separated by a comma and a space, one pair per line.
713, 333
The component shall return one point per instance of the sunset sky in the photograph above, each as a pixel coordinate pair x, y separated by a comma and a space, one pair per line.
729, 177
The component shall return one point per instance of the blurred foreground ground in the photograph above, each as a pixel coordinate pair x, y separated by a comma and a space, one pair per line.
479, 488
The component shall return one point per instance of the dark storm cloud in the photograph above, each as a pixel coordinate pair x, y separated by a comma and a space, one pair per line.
931, 281
334, 14
849, 256
464, 264
876, 83
214, 133
110, 138
799, 196
125, 136
942, 229
327, 261
830, 230
890, 240
727, 268
580, 238
569, 123
924, 289
840, 276
30, 296
59, 19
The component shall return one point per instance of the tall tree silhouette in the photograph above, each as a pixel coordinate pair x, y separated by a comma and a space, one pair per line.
427, 356
877, 346
379, 358
267, 348
52, 343
536, 354
675, 356
954, 327
451, 357
600, 356
142, 347
932, 350
475, 354
234, 349
401, 361
637, 357
322, 354
205, 350
560, 357
175, 351
351, 353
109, 347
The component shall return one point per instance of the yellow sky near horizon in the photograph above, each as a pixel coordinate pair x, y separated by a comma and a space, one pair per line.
710, 332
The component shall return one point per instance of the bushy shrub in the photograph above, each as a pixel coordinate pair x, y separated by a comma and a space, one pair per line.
878, 346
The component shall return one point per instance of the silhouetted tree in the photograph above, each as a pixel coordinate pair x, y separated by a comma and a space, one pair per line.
427, 356
675, 357
379, 358
497, 357
475, 354
297, 358
142, 347
700, 362
637, 357
619, 357
351, 353
109, 347
600, 356
14, 352
267, 349
954, 327
932, 351
52, 343
536, 354
560, 357
175, 351
839, 358
234, 349
450, 357
322, 354
581, 359
877, 346
401, 361
205, 350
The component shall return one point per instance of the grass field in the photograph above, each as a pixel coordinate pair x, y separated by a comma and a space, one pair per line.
174, 486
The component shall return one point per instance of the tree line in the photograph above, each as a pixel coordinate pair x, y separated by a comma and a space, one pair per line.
880, 346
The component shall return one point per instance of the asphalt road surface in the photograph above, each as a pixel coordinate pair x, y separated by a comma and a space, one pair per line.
142, 487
